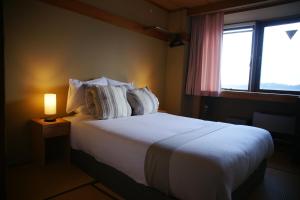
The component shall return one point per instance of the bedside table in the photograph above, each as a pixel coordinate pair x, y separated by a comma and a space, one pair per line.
46, 133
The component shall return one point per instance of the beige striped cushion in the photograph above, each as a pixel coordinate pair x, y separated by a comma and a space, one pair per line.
142, 101
106, 102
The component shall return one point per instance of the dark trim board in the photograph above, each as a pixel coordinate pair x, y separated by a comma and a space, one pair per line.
2, 110
129, 189
234, 6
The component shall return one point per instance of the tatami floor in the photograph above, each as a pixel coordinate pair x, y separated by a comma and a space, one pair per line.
55, 181
64, 181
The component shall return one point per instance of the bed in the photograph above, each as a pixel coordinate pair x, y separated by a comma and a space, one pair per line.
164, 156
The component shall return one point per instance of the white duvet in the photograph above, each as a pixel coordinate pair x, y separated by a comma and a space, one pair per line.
209, 169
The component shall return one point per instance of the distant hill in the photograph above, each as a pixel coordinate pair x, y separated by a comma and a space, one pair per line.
267, 86
276, 86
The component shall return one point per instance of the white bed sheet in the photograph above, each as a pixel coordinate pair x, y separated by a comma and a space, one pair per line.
123, 143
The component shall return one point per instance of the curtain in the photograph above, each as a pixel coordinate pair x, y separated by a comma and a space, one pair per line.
205, 53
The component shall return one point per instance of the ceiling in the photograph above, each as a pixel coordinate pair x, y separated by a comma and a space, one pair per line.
179, 4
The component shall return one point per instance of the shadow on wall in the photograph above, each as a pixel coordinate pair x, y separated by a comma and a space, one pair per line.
18, 115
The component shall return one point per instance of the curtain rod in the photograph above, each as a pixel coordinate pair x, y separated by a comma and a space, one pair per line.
242, 8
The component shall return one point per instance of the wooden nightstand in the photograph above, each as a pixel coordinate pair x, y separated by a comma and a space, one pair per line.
46, 133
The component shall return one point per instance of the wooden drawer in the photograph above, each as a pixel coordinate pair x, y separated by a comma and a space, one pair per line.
44, 139
57, 130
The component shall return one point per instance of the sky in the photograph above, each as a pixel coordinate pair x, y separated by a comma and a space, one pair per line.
281, 55
235, 59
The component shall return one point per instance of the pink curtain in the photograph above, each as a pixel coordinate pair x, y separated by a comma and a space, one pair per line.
205, 52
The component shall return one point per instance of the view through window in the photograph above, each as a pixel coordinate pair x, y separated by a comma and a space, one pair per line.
280, 67
236, 58
279, 48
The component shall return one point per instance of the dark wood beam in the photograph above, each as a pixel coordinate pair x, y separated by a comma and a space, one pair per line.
97, 13
219, 6
231, 6
260, 6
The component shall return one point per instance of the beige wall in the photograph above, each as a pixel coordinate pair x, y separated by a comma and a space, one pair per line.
175, 79
46, 45
176, 65
138, 10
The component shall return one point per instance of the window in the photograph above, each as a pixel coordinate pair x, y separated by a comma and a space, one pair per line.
263, 57
236, 58
280, 67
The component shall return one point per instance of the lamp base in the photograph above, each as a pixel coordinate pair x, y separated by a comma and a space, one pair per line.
50, 119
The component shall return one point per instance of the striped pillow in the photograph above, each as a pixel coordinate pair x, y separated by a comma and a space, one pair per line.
142, 101
106, 102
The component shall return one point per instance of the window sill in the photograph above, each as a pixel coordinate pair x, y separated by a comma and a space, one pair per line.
259, 96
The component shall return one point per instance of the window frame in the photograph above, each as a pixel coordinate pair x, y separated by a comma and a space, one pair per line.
256, 53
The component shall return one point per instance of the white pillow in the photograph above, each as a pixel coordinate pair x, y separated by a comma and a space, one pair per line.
76, 95
142, 101
107, 102
112, 82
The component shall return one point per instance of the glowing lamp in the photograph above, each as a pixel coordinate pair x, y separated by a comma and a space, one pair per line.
50, 107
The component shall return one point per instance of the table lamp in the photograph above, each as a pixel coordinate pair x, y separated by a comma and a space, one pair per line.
50, 107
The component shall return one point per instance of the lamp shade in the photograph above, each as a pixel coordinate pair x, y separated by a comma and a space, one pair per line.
50, 104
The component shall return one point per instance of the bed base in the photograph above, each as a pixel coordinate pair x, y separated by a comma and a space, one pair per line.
129, 189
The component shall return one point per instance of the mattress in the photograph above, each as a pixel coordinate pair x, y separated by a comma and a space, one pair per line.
209, 167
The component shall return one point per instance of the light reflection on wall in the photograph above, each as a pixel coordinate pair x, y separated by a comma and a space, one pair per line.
142, 76
44, 75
